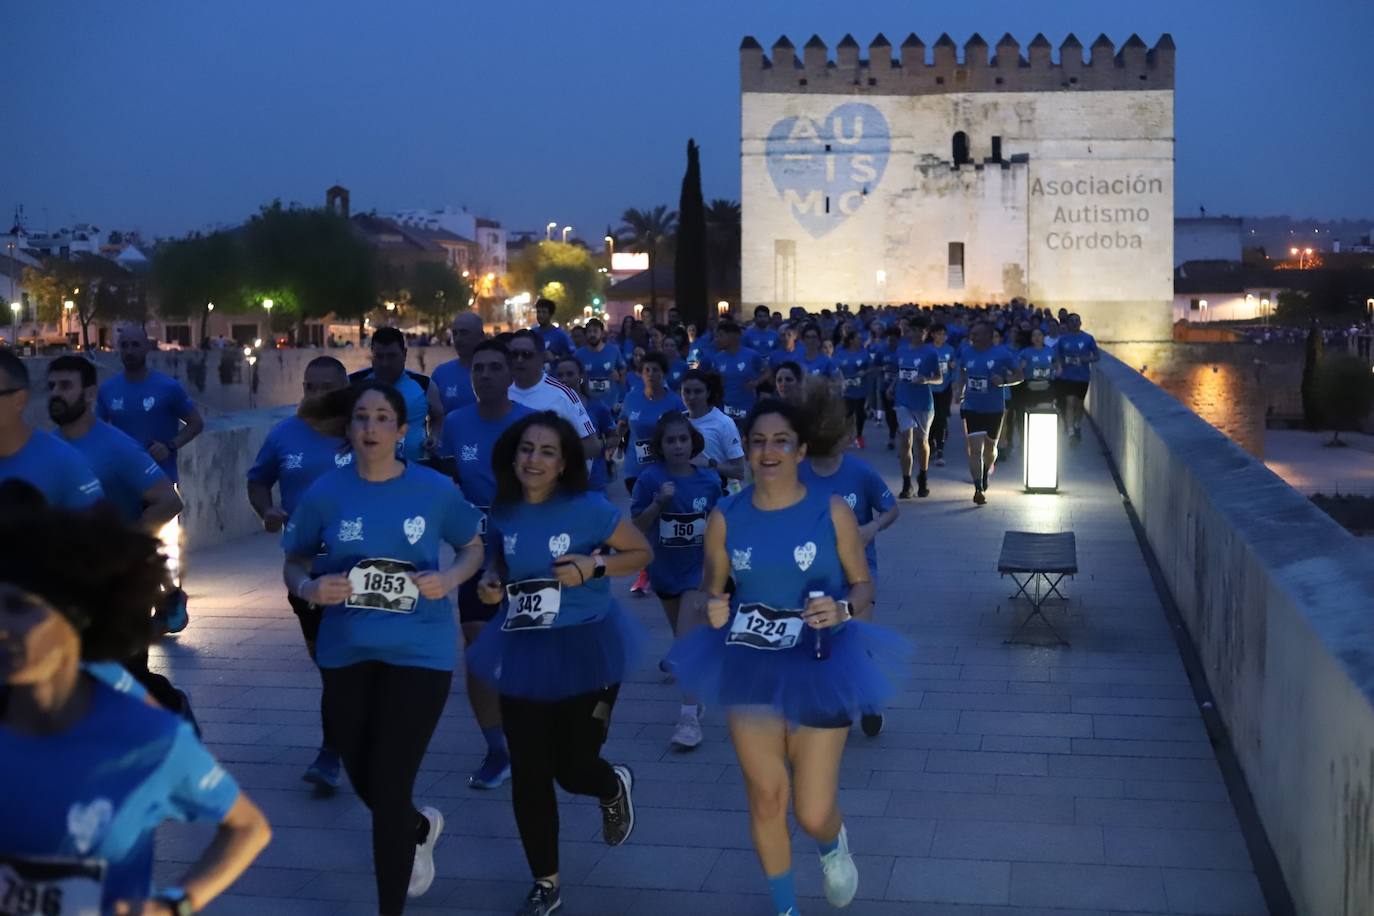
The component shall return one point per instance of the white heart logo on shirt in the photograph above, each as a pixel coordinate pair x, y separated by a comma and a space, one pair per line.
116, 403
87, 823
989, 364
559, 545
414, 528
851, 499
344, 460
805, 555
148, 403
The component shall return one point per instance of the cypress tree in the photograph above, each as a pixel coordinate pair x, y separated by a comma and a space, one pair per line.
1312, 358
690, 262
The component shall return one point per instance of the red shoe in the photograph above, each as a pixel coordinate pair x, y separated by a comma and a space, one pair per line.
641, 586
860, 441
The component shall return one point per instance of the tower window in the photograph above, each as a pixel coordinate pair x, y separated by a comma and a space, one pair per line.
996, 149
960, 148
956, 265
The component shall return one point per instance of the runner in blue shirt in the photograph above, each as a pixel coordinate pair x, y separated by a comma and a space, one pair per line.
133, 482
90, 773
1077, 351
759, 337
783, 654
740, 370
298, 451
424, 408
787, 379
855, 364
556, 340
943, 393
983, 371
702, 349
387, 641
54, 468
886, 360
564, 644
600, 470
1039, 366
918, 370
152, 408
454, 378
812, 358
641, 411
603, 367
670, 503
677, 366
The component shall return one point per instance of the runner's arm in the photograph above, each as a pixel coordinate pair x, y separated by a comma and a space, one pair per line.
160, 505
631, 550
716, 562
195, 424
241, 836
851, 549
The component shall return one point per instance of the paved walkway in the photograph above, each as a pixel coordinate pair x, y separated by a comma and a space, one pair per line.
1010, 779
1304, 460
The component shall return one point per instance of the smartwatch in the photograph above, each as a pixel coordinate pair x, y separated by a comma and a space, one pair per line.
600, 562
848, 614
176, 901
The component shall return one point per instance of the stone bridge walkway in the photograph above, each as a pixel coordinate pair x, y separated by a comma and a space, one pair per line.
1010, 779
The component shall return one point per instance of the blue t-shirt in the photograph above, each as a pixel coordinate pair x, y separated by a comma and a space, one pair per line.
116, 677
531, 537
469, 438
642, 414
455, 385
913, 362
679, 541
293, 456
57, 469
980, 395
377, 533
779, 556
411, 387
821, 364
1075, 353
780, 356
676, 370
854, 366
763, 340
601, 367
556, 340
147, 411
124, 468
1038, 365
861, 487
97, 793
703, 348
949, 366
598, 475
735, 371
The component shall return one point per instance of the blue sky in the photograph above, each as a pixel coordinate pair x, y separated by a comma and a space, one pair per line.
169, 115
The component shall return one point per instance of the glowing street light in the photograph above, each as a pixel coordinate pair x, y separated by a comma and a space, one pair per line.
390, 306
610, 244
639, 311
16, 308
1040, 451
68, 305
267, 304
548, 231
566, 230
209, 306
722, 308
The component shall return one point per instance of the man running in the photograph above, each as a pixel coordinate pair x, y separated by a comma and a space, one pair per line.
453, 378
150, 407
942, 394
603, 366
469, 435
984, 371
1077, 351
555, 340
56, 469
918, 368
423, 403
759, 337
537, 391
741, 370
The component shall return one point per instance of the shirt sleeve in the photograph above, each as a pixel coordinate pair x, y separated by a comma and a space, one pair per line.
182, 400
265, 466
83, 488
304, 532
199, 788
462, 520
879, 493
448, 435
576, 414
643, 493
731, 447
605, 519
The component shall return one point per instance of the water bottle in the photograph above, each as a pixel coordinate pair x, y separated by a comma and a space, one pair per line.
822, 634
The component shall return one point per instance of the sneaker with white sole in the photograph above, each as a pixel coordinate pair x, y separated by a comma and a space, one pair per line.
618, 814
840, 873
422, 872
687, 735
543, 899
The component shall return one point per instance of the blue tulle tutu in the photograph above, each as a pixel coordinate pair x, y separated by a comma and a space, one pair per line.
866, 664
557, 662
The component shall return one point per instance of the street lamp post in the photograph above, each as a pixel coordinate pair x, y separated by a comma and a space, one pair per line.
610, 245
67, 306
566, 230
267, 304
548, 231
15, 308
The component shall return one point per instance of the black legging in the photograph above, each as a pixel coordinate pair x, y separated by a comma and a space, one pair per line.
381, 718
556, 741
890, 415
939, 427
857, 410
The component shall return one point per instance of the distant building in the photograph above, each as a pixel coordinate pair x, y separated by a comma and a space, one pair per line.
1221, 290
1207, 238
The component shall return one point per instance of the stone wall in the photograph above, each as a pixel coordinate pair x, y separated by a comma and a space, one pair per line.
1276, 598
214, 477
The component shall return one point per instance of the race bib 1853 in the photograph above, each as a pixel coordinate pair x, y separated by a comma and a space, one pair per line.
682, 529
51, 887
383, 585
759, 626
534, 604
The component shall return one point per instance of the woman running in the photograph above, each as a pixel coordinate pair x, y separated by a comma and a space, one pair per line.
386, 646
1038, 365
670, 503
855, 364
643, 407
90, 772
723, 453
783, 655
787, 379
812, 358
570, 371
559, 652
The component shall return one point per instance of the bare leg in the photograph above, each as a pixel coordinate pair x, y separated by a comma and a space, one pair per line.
815, 755
761, 745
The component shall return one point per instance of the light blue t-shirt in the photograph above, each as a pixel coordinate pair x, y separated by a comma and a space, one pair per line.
294, 456
601, 367
1075, 355
679, 540
1038, 365
980, 395
96, 793
469, 438
735, 371
820, 364
703, 348
854, 366
642, 414
57, 469
763, 340
378, 533
147, 411
455, 385
949, 366
124, 468
862, 489
531, 537
779, 556
913, 362
116, 677
556, 340
676, 370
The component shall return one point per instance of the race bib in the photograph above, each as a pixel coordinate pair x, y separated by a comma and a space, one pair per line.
909, 375
51, 887
482, 525
682, 530
1072, 361
853, 384
383, 585
1040, 372
759, 626
643, 452
598, 385
978, 384
534, 604
735, 413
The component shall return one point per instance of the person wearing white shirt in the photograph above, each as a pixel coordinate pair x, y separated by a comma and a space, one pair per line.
537, 391
724, 452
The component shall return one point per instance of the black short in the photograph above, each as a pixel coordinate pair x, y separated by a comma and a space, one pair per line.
818, 720
1067, 388
990, 423
472, 609
308, 616
630, 485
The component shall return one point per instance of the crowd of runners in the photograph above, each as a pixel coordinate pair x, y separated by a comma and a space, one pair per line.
483, 511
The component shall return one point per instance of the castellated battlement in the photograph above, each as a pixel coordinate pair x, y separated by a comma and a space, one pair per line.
912, 71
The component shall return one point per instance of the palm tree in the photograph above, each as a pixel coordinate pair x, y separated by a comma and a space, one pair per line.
647, 230
723, 238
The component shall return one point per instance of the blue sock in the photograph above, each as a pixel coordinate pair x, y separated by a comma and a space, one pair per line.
827, 848
784, 891
496, 739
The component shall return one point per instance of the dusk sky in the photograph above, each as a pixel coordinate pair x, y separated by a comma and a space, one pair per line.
173, 116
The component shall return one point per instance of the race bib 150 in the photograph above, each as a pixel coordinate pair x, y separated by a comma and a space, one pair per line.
644, 453
759, 626
383, 585
682, 530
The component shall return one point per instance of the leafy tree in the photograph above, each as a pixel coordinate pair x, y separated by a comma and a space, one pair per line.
437, 292
1344, 387
99, 289
563, 273
189, 274
650, 231
689, 274
1311, 362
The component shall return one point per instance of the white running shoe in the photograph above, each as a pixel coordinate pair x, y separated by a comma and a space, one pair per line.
841, 875
687, 735
422, 872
